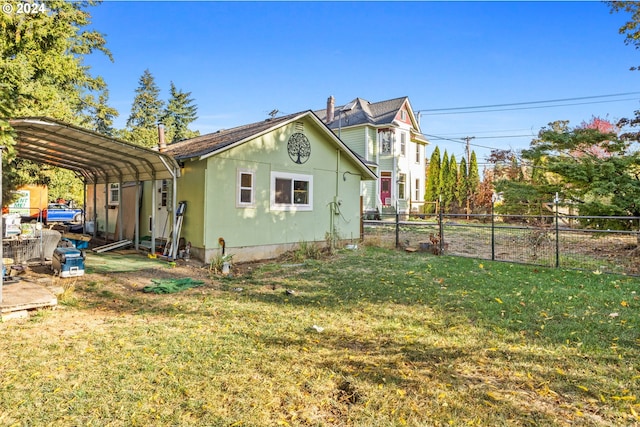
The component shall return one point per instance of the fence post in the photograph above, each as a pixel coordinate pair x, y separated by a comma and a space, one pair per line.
397, 227
441, 228
493, 230
557, 201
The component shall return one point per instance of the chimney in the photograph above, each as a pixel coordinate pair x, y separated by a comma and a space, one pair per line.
331, 103
162, 145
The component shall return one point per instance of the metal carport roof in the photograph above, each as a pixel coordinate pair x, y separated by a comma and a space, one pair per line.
99, 159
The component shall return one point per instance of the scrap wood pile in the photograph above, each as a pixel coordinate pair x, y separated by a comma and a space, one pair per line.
170, 286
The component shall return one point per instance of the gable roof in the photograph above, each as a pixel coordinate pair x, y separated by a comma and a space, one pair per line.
362, 112
208, 145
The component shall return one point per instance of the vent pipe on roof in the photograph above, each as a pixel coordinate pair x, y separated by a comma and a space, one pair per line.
162, 145
331, 104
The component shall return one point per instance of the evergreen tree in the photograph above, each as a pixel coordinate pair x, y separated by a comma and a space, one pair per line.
142, 124
432, 185
179, 113
445, 187
42, 71
473, 180
102, 115
452, 181
463, 185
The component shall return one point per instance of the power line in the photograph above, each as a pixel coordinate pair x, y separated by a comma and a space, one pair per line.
530, 108
535, 102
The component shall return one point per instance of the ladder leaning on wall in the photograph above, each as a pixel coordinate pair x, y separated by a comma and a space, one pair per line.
169, 249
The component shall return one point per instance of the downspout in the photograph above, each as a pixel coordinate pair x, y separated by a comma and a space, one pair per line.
334, 204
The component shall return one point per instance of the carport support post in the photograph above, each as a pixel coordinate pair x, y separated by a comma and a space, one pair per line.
154, 208
106, 211
136, 231
120, 209
1, 231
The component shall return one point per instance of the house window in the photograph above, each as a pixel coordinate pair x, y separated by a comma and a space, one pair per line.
401, 184
291, 191
418, 157
245, 189
385, 142
403, 144
164, 193
417, 190
114, 194
403, 115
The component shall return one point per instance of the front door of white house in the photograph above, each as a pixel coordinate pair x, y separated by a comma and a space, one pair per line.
385, 189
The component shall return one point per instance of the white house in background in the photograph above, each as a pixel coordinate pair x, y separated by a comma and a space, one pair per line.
387, 136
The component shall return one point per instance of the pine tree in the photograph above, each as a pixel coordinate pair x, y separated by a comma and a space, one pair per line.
179, 113
432, 186
473, 180
101, 119
142, 124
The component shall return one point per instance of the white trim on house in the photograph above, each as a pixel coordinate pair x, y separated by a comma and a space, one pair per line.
297, 195
243, 190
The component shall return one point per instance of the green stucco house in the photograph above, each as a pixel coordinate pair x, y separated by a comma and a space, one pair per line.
263, 188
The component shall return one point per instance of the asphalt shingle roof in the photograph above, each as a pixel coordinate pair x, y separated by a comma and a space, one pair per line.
360, 111
205, 144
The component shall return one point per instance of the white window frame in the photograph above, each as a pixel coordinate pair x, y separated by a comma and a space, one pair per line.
240, 189
114, 188
417, 190
403, 144
291, 206
418, 153
402, 186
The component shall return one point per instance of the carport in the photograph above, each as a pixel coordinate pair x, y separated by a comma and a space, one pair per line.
98, 160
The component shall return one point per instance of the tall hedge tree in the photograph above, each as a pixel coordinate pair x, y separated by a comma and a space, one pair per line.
473, 179
452, 184
444, 180
462, 193
432, 186
42, 72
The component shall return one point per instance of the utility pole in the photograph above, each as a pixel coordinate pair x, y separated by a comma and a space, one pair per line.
468, 151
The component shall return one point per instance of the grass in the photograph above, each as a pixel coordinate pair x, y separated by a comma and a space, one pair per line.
408, 339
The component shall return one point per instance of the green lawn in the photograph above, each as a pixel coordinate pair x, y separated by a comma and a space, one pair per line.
407, 339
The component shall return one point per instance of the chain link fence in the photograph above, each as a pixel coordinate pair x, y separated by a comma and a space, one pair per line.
563, 241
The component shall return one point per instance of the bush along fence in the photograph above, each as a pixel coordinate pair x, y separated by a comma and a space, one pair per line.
596, 243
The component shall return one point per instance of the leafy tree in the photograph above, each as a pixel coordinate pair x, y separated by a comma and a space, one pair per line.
146, 110
42, 70
432, 186
179, 113
597, 171
631, 29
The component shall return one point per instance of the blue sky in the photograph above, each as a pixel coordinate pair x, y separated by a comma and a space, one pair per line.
242, 60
